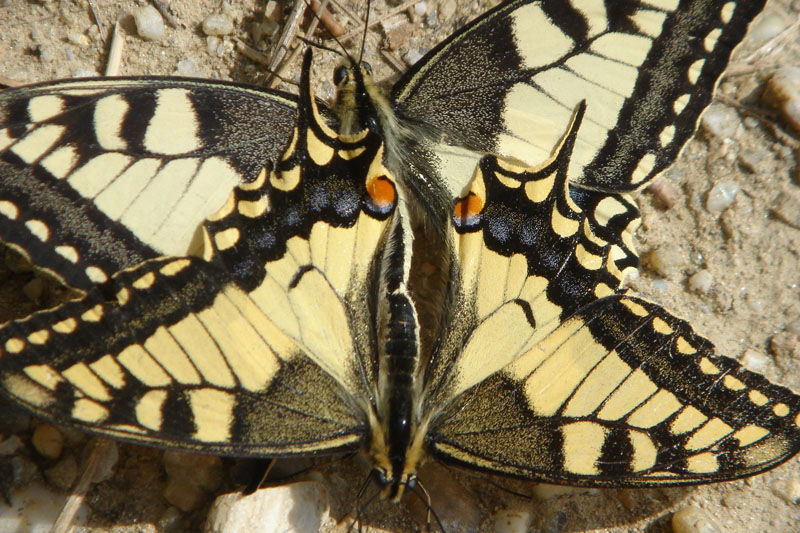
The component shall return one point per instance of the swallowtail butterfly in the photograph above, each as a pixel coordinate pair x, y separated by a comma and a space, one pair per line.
254, 267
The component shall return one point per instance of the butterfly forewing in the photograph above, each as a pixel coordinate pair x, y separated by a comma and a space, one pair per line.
99, 175
509, 83
251, 349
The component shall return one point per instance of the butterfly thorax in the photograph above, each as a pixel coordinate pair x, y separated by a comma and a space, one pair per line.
395, 447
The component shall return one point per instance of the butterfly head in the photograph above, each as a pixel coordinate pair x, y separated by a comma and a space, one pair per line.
360, 103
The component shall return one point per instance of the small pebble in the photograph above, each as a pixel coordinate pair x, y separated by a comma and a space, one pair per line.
412, 56
79, 39
85, 73
787, 208
694, 520
721, 196
755, 360
296, 507
187, 68
667, 260
272, 12
48, 441
63, 474
447, 8
217, 24
190, 478
664, 192
787, 489
149, 24
10, 445
701, 281
768, 25
756, 161
720, 121
432, 19
171, 521
782, 92
511, 521
213, 42
420, 8
785, 346
23, 470
660, 285
396, 29
554, 522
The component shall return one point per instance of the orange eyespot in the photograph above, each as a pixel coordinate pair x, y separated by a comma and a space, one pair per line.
381, 192
468, 208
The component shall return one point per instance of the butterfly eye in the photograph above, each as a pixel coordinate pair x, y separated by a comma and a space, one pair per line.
366, 67
339, 74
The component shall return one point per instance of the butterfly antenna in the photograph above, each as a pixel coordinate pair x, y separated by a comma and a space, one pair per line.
318, 18
425, 498
359, 507
364, 35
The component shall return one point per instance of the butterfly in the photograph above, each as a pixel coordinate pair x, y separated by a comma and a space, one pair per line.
432, 273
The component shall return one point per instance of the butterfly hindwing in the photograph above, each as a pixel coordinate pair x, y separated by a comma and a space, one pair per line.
622, 394
99, 175
509, 82
557, 375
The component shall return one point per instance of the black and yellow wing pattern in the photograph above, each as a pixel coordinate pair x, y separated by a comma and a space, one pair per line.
299, 317
99, 175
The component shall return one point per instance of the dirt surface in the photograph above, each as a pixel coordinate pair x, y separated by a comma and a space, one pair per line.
752, 256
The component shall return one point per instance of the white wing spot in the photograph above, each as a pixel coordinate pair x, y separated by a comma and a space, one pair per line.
96, 274
15, 345
780, 409
61, 161
109, 114
39, 229
695, 70
173, 128
667, 135
727, 12
680, 103
711, 39
69, 253
38, 142
41, 108
9, 210
145, 282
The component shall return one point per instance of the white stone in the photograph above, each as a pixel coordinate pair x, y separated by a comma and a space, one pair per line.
187, 67
34, 509
701, 281
720, 121
511, 521
694, 520
149, 24
297, 507
755, 360
787, 489
768, 25
217, 24
721, 196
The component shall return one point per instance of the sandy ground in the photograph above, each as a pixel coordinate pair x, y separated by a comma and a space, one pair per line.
753, 301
